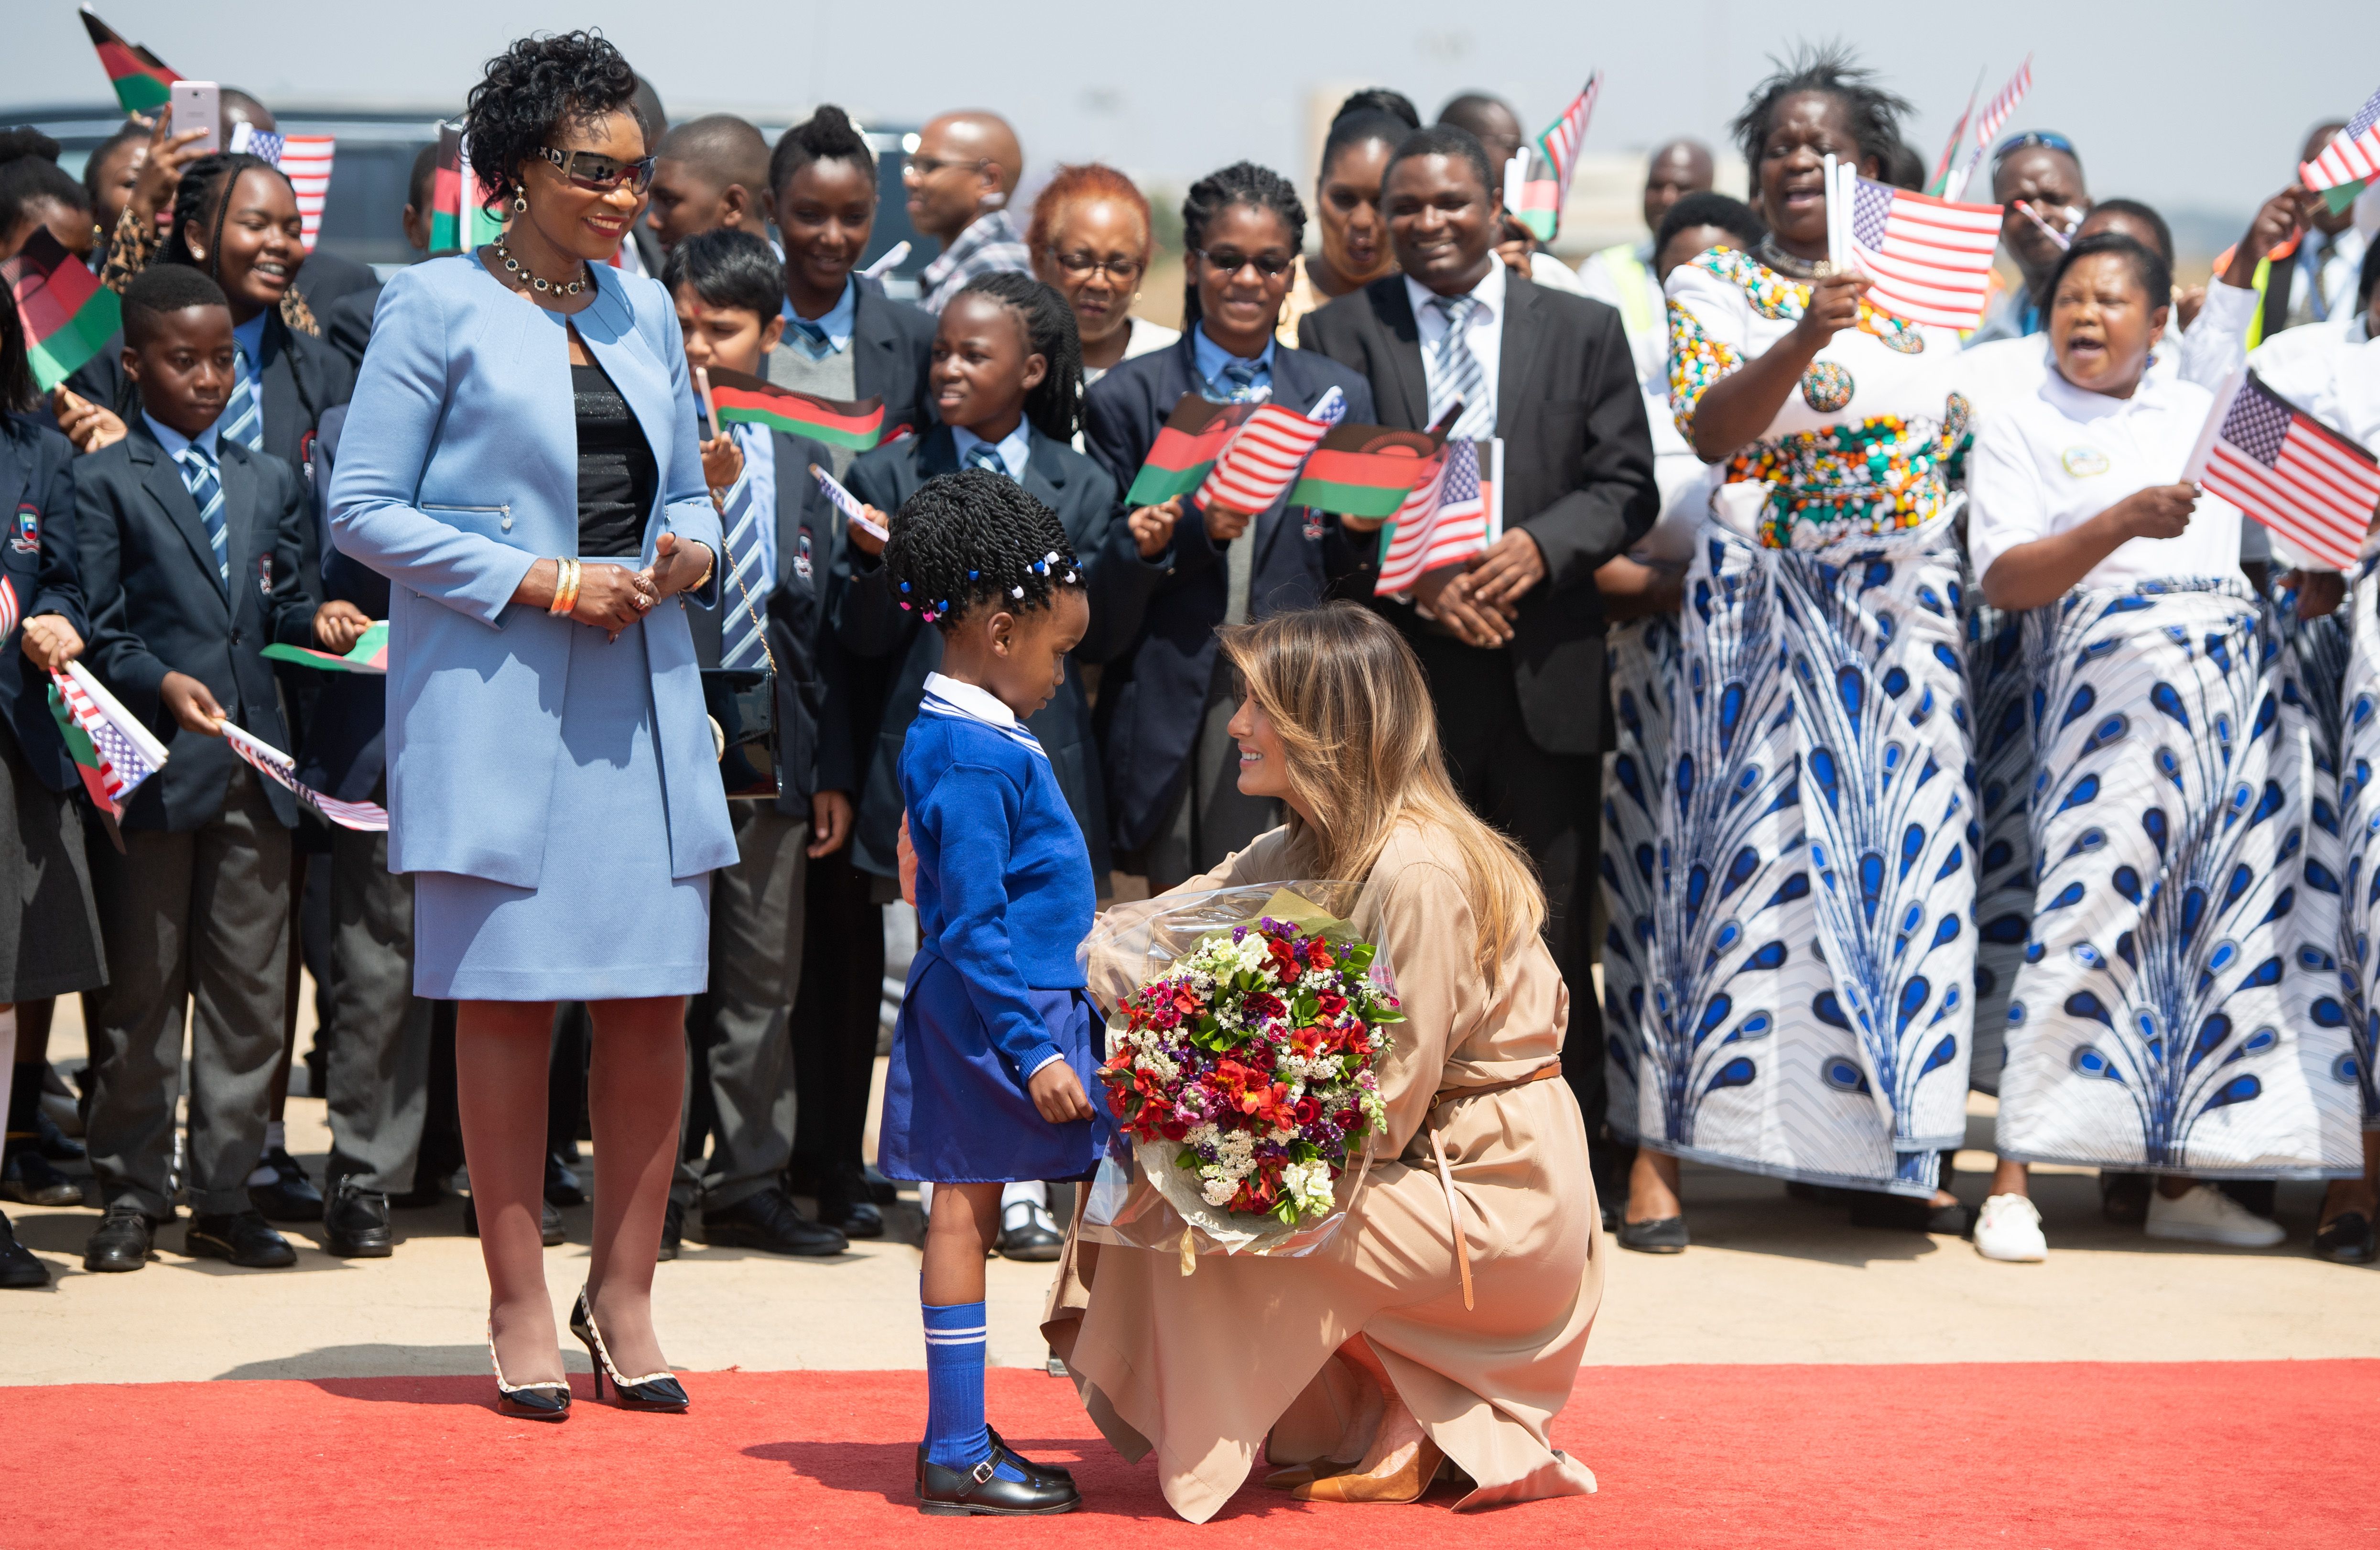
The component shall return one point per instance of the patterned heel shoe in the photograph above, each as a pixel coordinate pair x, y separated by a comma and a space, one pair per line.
530, 1401
655, 1391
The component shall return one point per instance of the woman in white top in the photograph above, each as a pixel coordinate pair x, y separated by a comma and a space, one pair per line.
1092, 241
2148, 1028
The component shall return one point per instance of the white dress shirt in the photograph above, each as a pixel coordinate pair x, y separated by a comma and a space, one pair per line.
1484, 331
2049, 464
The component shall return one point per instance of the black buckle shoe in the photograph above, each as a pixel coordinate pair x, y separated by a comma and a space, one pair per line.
769, 1221
1049, 1475
1028, 1233
244, 1238
291, 1197
123, 1240
19, 1271
33, 1179
548, 1223
356, 1224
983, 1491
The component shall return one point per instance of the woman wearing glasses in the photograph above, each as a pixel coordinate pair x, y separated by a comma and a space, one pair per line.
522, 459
1091, 241
1171, 573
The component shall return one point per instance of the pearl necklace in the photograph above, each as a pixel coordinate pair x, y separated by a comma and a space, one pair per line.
515, 266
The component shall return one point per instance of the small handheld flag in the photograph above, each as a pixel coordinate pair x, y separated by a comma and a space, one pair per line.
112, 751
1536, 198
269, 761
1364, 470
1260, 462
2315, 488
1939, 184
1454, 512
8, 609
1930, 260
1187, 447
67, 312
1987, 124
743, 399
2350, 161
140, 79
369, 654
458, 224
305, 159
848, 504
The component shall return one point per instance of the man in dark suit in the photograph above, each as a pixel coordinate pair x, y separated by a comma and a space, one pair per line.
191, 548
1512, 642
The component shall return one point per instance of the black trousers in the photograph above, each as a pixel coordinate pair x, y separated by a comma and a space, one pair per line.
836, 1015
1552, 803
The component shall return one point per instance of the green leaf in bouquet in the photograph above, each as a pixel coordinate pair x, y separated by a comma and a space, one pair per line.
1359, 957
1304, 1152
1306, 1007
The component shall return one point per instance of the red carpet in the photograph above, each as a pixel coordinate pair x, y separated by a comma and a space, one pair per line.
2033, 1456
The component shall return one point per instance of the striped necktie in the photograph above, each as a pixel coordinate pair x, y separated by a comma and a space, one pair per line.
1237, 381
206, 488
243, 417
1459, 376
740, 640
815, 342
983, 454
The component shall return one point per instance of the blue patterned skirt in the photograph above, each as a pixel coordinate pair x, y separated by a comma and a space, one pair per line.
1812, 957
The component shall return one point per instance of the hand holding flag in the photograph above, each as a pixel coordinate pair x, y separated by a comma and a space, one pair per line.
369, 655
857, 513
269, 761
113, 751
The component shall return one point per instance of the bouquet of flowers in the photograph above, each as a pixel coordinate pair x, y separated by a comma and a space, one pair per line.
1244, 1071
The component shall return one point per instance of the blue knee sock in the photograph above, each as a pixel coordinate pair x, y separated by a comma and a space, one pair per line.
955, 1437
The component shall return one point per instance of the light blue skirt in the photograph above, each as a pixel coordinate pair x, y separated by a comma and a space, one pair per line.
607, 921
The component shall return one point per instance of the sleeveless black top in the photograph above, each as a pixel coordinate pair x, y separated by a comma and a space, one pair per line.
616, 474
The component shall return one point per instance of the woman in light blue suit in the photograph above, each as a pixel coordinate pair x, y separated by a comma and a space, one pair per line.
521, 461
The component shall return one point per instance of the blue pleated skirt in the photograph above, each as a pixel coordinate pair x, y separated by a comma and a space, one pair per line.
955, 1108
606, 920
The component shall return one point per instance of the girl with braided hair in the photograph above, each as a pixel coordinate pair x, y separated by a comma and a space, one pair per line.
992, 1054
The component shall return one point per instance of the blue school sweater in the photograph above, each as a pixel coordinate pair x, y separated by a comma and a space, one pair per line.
1004, 889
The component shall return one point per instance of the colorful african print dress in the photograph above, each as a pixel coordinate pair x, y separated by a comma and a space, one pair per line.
1811, 956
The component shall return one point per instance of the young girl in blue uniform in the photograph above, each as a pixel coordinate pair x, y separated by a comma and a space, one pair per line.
992, 1057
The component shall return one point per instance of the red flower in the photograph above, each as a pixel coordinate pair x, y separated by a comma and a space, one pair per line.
1308, 1110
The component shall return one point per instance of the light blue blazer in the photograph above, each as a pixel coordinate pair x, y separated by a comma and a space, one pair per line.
458, 471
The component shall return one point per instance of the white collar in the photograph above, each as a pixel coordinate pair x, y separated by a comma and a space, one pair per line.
970, 701
1489, 292
2081, 403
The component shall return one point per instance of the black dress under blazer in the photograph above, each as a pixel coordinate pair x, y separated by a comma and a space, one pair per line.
1578, 469
874, 626
1153, 621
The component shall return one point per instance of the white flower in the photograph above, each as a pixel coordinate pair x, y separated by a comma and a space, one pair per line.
1309, 1185
1219, 1191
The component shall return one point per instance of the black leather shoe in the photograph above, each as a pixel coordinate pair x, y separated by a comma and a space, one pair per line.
983, 1491
1046, 1474
562, 1186
769, 1221
244, 1238
1027, 1232
1662, 1234
356, 1224
291, 1197
19, 1271
673, 1230
122, 1241
35, 1180
655, 1391
844, 1203
2347, 1238
548, 1223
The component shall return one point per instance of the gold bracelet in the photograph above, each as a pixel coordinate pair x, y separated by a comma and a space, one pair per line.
565, 587
705, 579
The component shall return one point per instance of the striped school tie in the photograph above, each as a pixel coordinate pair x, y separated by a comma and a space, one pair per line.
813, 337
741, 646
983, 454
206, 488
1459, 376
243, 417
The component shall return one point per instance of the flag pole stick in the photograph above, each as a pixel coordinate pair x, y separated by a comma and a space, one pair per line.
1834, 217
702, 380
2196, 468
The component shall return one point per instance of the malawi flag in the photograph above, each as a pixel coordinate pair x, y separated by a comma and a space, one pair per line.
369, 656
67, 312
140, 77
1193, 437
1364, 470
746, 400
457, 224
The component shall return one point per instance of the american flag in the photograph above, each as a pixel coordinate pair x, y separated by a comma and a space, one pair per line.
1260, 462
1563, 138
2352, 156
2291, 472
8, 609
270, 761
1930, 260
1987, 124
848, 504
128, 752
305, 159
1452, 515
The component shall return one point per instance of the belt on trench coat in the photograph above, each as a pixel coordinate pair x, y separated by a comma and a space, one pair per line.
1446, 1095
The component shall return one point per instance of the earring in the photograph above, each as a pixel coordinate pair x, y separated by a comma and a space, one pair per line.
520, 200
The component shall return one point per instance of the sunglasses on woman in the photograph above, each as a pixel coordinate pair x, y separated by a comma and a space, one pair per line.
592, 169
1270, 266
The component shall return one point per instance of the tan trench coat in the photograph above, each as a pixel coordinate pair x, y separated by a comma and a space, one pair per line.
1207, 1368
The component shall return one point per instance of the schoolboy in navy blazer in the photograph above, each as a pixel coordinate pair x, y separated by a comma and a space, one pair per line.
872, 625
1153, 621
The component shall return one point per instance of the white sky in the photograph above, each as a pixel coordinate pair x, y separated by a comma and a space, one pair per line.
2191, 106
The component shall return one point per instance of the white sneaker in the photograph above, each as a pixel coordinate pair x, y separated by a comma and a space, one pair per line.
2208, 1215
2010, 1228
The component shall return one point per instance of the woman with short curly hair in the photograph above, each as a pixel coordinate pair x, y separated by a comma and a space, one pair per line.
521, 458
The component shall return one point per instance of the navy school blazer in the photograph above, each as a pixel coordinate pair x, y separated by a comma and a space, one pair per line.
157, 606
42, 568
891, 343
872, 626
343, 750
1153, 622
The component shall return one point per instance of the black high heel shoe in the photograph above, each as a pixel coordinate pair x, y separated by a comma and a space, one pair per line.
530, 1401
655, 1391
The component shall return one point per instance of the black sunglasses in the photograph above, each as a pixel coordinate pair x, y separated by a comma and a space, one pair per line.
592, 169
1270, 266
